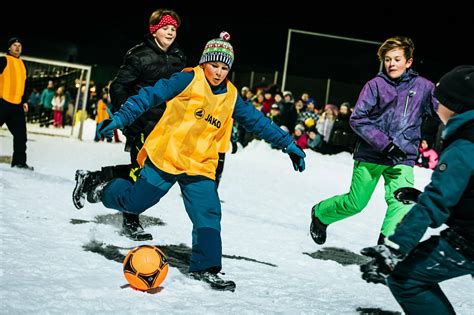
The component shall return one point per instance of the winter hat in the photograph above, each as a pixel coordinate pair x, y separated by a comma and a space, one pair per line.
300, 127
218, 49
13, 40
455, 89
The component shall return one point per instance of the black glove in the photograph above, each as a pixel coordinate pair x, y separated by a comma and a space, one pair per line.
407, 195
384, 260
394, 152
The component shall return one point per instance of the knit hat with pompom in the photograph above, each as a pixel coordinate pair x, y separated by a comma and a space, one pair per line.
218, 49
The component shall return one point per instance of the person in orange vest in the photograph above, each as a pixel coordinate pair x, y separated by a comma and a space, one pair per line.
199, 105
13, 105
103, 113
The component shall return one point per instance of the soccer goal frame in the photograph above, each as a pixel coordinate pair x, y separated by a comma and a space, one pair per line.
288, 46
84, 79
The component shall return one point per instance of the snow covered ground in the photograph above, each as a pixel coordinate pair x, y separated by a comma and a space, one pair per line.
48, 267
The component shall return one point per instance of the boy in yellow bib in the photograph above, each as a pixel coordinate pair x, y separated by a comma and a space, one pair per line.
184, 146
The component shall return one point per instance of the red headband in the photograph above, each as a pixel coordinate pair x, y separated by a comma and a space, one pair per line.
165, 20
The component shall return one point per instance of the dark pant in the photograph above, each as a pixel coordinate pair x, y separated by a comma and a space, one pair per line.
14, 117
414, 283
128, 172
200, 200
45, 116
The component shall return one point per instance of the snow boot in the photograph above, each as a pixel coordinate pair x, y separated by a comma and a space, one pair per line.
85, 182
95, 195
132, 228
23, 166
213, 279
317, 229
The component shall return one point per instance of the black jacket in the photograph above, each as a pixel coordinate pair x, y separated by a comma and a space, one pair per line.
143, 65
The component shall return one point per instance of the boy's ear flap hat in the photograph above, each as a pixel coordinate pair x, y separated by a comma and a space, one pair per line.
218, 49
455, 89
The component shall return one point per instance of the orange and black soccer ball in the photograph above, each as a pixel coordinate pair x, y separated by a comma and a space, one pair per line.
145, 267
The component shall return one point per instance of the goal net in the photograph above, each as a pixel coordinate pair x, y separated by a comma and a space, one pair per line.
75, 78
331, 68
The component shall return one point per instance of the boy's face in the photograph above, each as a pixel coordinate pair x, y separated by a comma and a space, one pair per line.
165, 36
444, 113
396, 63
215, 72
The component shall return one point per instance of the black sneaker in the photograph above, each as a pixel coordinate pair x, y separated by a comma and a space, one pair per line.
132, 228
85, 183
317, 229
24, 166
78, 196
213, 279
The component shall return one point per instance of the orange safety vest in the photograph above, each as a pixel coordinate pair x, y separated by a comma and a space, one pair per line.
101, 111
12, 80
195, 127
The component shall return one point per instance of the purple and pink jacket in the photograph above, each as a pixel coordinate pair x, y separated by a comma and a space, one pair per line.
392, 111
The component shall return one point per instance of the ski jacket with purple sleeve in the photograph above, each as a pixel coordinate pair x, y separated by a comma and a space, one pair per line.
392, 111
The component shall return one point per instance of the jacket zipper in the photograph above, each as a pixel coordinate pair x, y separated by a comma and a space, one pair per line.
410, 94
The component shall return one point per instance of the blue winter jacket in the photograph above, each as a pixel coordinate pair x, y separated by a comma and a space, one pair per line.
392, 111
447, 198
247, 116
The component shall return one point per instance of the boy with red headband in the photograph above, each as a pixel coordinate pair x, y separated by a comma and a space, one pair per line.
157, 57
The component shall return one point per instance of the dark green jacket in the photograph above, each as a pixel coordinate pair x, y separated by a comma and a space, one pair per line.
448, 198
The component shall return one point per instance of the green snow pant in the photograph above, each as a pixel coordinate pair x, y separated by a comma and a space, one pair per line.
365, 177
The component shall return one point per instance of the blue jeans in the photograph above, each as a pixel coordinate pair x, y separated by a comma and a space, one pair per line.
414, 283
200, 200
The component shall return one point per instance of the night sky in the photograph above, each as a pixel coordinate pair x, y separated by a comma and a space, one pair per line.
89, 35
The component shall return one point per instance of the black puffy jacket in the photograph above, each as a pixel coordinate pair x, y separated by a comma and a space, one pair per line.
143, 65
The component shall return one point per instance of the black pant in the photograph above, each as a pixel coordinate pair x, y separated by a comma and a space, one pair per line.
14, 117
125, 171
46, 116
128, 172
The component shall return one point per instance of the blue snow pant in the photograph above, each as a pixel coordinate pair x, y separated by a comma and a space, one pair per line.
200, 200
414, 283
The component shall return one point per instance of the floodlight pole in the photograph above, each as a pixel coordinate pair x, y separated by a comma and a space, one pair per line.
76, 103
287, 54
84, 102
